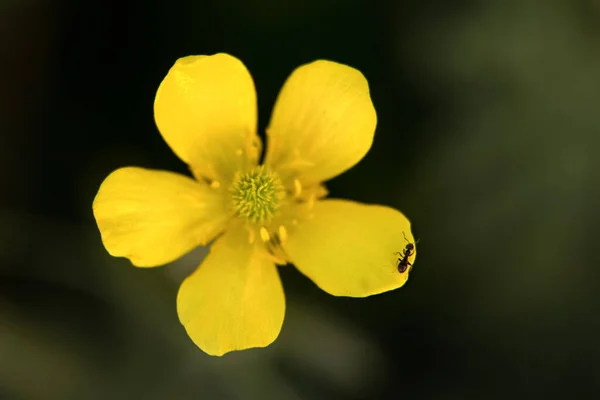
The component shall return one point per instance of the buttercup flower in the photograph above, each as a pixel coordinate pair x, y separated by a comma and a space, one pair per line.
322, 124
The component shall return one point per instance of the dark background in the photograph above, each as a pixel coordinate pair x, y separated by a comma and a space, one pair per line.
488, 140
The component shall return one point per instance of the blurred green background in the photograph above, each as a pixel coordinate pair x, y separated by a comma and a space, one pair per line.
488, 140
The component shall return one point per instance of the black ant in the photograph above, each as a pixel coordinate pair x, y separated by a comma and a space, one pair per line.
408, 251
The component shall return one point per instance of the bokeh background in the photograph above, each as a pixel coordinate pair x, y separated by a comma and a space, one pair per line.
488, 140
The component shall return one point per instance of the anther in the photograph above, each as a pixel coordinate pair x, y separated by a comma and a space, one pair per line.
282, 234
297, 188
264, 234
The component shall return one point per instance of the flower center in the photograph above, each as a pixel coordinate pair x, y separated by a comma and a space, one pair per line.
257, 195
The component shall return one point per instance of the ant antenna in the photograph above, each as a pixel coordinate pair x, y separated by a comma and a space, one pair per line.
407, 239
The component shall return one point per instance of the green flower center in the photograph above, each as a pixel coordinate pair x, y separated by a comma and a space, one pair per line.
257, 195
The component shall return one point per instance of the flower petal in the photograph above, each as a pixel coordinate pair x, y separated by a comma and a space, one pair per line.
154, 217
323, 123
206, 111
348, 248
234, 300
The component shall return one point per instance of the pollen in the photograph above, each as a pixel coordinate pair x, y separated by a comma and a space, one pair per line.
257, 195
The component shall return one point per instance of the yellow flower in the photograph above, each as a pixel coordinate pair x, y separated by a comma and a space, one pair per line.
323, 124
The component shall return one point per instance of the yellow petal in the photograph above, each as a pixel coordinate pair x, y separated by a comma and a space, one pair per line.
348, 248
205, 109
322, 124
234, 300
154, 217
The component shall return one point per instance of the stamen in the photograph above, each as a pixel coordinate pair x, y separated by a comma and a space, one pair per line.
282, 234
297, 188
311, 202
264, 234
253, 147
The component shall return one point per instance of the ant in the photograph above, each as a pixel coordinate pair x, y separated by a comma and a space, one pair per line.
408, 251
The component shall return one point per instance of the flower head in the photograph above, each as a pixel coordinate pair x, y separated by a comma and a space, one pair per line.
322, 124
